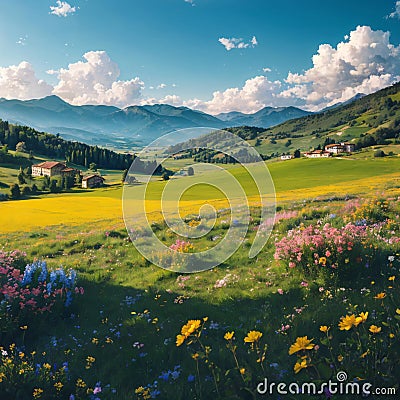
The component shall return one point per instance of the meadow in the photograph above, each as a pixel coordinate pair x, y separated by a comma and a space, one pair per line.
321, 298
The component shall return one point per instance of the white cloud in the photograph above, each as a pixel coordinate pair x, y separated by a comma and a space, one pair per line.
95, 81
161, 86
171, 99
237, 43
366, 62
266, 70
22, 40
20, 82
190, 2
396, 12
62, 9
256, 93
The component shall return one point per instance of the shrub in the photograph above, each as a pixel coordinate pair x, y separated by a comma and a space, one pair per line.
35, 291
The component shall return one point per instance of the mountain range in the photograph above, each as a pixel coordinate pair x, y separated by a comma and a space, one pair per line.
130, 126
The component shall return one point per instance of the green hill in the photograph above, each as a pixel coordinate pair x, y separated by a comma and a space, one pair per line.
377, 115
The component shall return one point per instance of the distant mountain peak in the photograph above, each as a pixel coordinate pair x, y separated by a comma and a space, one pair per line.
264, 118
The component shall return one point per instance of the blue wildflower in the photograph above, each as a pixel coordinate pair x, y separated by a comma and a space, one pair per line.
165, 376
43, 273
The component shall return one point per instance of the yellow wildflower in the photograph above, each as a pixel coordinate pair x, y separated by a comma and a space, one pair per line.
381, 295
301, 343
242, 371
190, 327
398, 311
299, 366
95, 341
80, 383
364, 354
139, 390
37, 392
340, 358
23, 328
253, 336
347, 322
392, 278
90, 359
47, 366
58, 385
391, 335
229, 335
363, 316
324, 328
322, 260
374, 329
2, 376
179, 340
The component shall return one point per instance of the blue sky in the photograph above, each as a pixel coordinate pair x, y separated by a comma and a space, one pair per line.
213, 55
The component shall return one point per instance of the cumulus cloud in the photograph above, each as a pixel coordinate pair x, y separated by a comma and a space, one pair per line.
237, 43
62, 9
256, 93
95, 81
20, 82
171, 99
396, 12
364, 63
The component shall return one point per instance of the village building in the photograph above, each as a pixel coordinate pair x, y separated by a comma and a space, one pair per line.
337, 148
48, 168
53, 168
317, 154
286, 157
92, 181
70, 172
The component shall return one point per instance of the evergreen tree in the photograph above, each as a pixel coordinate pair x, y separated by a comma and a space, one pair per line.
53, 186
15, 191
21, 179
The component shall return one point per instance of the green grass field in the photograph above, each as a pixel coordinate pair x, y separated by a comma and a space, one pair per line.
293, 180
126, 322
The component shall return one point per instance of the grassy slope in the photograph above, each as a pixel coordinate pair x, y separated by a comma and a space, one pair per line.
294, 180
344, 123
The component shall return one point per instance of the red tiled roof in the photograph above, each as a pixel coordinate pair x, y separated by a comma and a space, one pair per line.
68, 170
92, 176
49, 164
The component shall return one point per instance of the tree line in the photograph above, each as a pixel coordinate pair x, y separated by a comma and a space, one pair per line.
56, 147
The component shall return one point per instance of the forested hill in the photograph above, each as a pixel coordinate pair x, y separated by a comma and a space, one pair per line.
377, 110
55, 147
